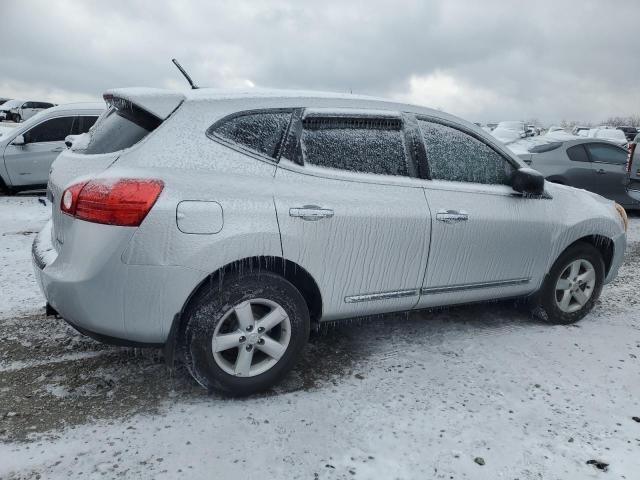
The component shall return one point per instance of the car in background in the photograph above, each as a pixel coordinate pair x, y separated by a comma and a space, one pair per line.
28, 150
508, 132
629, 132
578, 129
612, 135
224, 225
532, 130
594, 165
633, 168
555, 128
20, 110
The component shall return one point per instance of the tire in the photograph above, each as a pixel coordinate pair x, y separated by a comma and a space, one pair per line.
4, 190
17, 118
213, 312
551, 304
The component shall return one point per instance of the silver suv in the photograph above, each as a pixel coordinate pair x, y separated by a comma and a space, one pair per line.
224, 225
28, 150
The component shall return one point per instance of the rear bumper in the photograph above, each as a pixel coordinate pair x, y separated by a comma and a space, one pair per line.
89, 286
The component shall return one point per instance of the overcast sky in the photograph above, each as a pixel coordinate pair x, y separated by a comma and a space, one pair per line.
483, 60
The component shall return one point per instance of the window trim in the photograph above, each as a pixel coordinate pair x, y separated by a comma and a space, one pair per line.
412, 161
607, 144
212, 135
460, 128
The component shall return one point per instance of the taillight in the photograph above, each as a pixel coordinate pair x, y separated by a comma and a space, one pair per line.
124, 202
632, 148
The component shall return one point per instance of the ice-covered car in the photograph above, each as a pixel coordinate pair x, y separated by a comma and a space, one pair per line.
508, 132
28, 149
612, 135
19, 110
224, 225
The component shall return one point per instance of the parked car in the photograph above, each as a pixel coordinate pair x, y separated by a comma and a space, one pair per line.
578, 129
508, 132
27, 151
594, 165
611, 134
555, 128
633, 169
224, 225
19, 110
532, 130
629, 132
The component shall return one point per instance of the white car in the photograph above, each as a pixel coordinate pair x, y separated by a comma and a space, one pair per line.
509, 132
611, 134
20, 110
224, 225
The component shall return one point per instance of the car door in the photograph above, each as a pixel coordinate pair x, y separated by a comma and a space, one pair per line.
578, 172
27, 110
487, 241
351, 211
29, 164
609, 175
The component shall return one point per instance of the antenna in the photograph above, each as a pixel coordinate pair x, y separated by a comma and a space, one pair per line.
186, 75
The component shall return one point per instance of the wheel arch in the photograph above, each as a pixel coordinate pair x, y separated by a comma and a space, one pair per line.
601, 243
291, 271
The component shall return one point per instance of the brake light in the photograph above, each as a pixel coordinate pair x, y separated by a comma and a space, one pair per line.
124, 202
632, 148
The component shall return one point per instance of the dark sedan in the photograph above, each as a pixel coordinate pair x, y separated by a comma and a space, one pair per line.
590, 164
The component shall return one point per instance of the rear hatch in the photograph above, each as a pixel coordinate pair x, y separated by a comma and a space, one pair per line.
132, 114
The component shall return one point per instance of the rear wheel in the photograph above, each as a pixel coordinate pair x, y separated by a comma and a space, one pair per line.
17, 118
572, 286
246, 335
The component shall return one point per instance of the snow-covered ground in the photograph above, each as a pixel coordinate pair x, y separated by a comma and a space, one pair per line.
404, 396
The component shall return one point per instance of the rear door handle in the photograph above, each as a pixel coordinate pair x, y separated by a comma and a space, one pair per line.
59, 149
452, 216
311, 212
601, 171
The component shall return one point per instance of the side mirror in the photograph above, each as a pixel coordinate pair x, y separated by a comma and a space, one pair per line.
527, 181
19, 140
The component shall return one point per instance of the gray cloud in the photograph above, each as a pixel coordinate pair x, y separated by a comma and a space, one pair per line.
486, 60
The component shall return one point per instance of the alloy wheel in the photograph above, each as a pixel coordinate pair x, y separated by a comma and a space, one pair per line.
575, 286
251, 337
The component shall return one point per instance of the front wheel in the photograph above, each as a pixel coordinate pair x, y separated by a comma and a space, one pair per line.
17, 118
245, 335
572, 286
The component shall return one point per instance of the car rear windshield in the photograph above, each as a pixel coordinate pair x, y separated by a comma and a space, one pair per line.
121, 127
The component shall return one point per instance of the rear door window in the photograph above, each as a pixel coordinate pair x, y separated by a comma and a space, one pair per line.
53, 130
261, 132
363, 144
577, 153
83, 124
603, 153
121, 128
456, 156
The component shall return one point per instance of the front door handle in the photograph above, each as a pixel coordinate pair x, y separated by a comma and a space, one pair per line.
452, 216
311, 212
58, 149
601, 171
